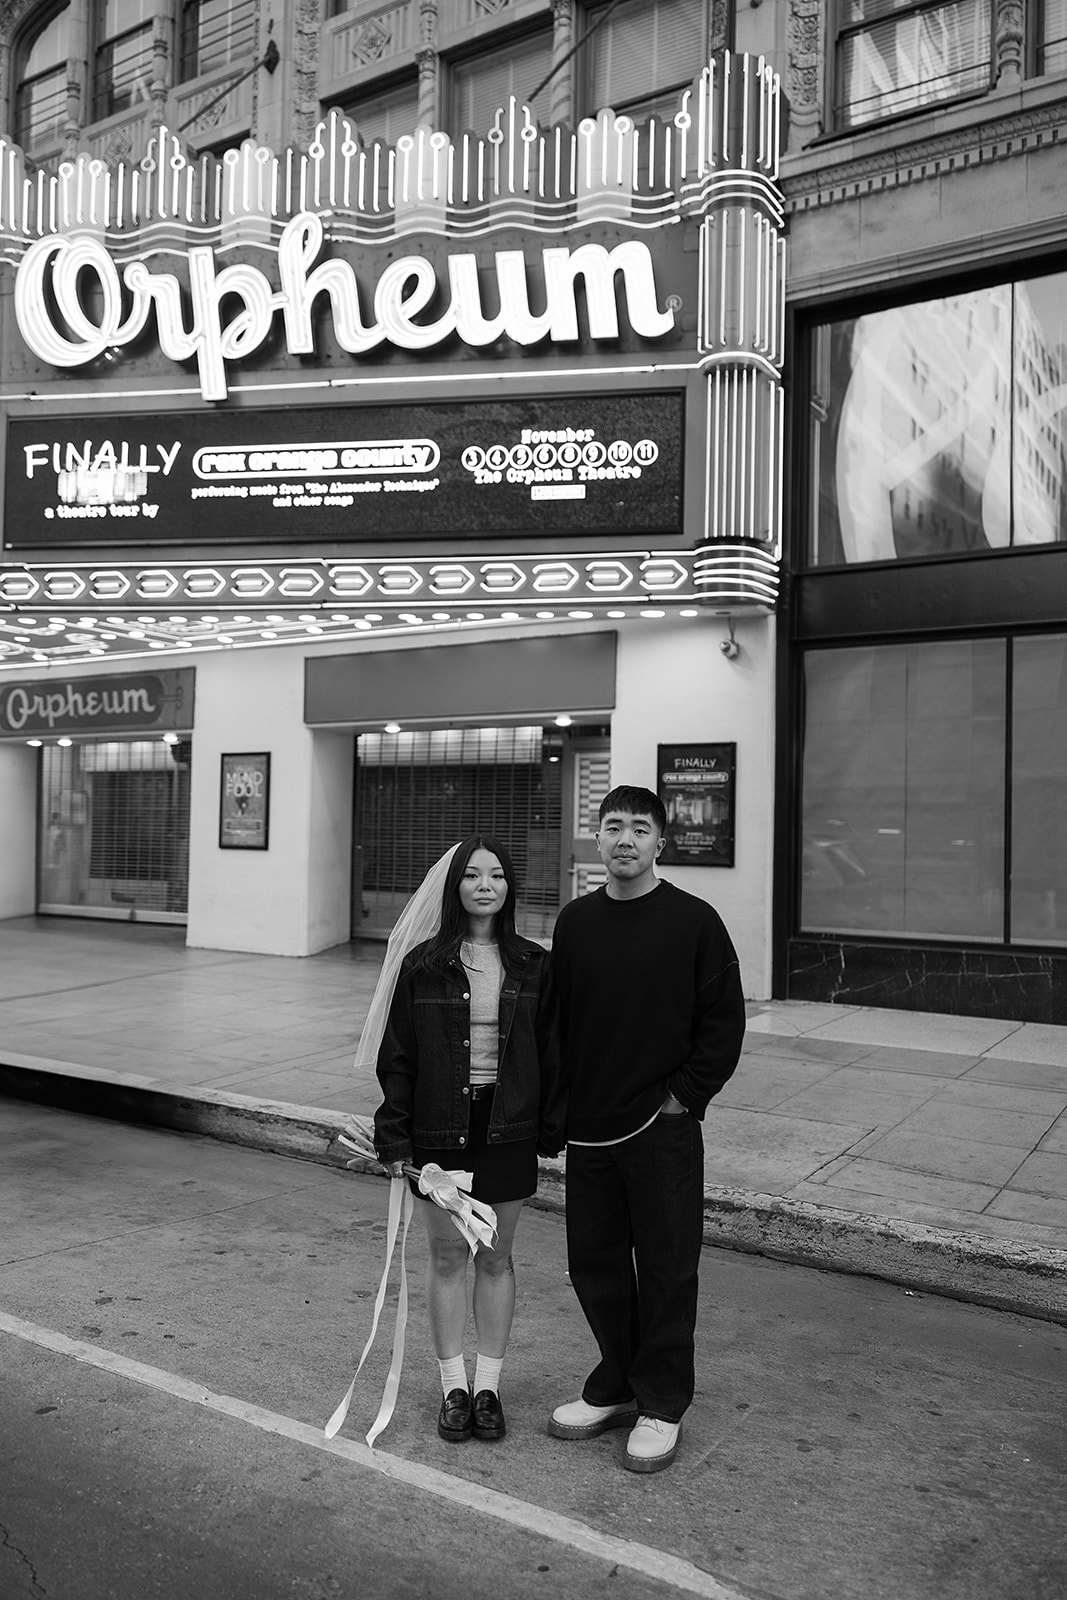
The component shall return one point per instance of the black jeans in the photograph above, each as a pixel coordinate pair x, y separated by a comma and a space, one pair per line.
635, 1225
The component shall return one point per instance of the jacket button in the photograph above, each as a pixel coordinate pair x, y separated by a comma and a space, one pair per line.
462, 1139
466, 1044
466, 997
465, 1089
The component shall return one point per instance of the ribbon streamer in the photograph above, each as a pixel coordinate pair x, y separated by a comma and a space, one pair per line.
473, 1219
400, 1198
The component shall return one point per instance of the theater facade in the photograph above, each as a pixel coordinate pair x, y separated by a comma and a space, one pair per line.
359, 496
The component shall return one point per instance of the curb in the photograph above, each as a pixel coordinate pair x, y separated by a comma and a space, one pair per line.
1030, 1280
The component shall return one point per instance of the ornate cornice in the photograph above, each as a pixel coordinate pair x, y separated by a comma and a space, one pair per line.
893, 166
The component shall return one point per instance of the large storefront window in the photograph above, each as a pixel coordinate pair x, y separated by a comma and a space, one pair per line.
940, 428
114, 835
1039, 793
906, 829
903, 800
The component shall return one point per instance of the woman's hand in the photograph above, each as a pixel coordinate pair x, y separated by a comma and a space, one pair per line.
392, 1169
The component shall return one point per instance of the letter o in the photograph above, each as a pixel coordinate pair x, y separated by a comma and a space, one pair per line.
72, 257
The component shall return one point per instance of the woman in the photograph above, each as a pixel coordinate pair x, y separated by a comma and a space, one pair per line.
470, 1076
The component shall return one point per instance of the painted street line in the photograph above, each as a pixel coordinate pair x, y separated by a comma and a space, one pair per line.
474, 1497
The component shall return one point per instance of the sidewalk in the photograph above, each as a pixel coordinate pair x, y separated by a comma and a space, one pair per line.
925, 1149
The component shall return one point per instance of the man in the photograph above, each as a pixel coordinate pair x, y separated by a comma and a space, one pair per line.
652, 1018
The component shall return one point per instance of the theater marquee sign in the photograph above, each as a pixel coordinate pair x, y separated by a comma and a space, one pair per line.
619, 285
601, 465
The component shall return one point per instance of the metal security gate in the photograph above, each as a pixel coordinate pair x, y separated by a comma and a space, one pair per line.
418, 792
114, 832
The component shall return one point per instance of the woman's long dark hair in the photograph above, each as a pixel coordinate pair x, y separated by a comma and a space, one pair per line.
444, 946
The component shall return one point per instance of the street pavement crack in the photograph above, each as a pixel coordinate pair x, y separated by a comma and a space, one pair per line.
6, 1544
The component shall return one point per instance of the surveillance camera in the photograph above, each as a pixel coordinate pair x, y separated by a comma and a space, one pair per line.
730, 649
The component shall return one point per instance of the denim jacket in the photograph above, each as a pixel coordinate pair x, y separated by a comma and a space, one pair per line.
424, 1061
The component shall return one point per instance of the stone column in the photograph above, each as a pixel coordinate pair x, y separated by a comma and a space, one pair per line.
561, 88
803, 77
1009, 41
428, 112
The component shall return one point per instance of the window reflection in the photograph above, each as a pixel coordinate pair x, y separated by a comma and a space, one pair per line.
939, 428
895, 56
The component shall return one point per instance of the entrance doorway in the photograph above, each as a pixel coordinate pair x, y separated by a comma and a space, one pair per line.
417, 792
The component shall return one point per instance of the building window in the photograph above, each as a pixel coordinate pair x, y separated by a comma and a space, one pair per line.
645, 53
215, 33
908, 757
894, 57
41, 80
481, 85
122, 57
940, 428
1052, 50
384, 117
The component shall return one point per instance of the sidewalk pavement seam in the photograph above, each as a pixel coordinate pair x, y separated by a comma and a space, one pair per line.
1028, 1279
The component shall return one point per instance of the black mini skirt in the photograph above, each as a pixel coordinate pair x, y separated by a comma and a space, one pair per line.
501, 1171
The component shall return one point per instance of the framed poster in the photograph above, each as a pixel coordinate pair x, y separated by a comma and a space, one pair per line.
698, 786
244, 802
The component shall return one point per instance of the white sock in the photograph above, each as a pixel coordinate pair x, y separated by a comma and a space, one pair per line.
453, 1374
487, 1374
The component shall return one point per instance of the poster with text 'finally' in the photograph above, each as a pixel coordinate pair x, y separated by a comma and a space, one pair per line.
581, 465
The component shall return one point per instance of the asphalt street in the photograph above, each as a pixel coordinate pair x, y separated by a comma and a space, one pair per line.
179, 1317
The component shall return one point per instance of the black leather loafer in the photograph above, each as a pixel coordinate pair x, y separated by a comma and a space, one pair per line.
455, 1422
488, 1416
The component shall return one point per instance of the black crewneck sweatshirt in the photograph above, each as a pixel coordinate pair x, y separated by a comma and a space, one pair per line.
650, 1004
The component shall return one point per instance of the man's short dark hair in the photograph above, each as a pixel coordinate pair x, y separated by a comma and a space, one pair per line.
638, 802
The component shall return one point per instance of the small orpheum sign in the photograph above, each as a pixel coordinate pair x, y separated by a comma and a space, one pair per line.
142, 702
585, 464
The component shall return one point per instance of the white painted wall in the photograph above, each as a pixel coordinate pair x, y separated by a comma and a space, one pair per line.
18, 830
674, 686
292, 898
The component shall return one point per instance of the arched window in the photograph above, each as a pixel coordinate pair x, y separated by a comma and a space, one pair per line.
41, 78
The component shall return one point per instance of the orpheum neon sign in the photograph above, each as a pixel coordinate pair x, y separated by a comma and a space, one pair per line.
200, 323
